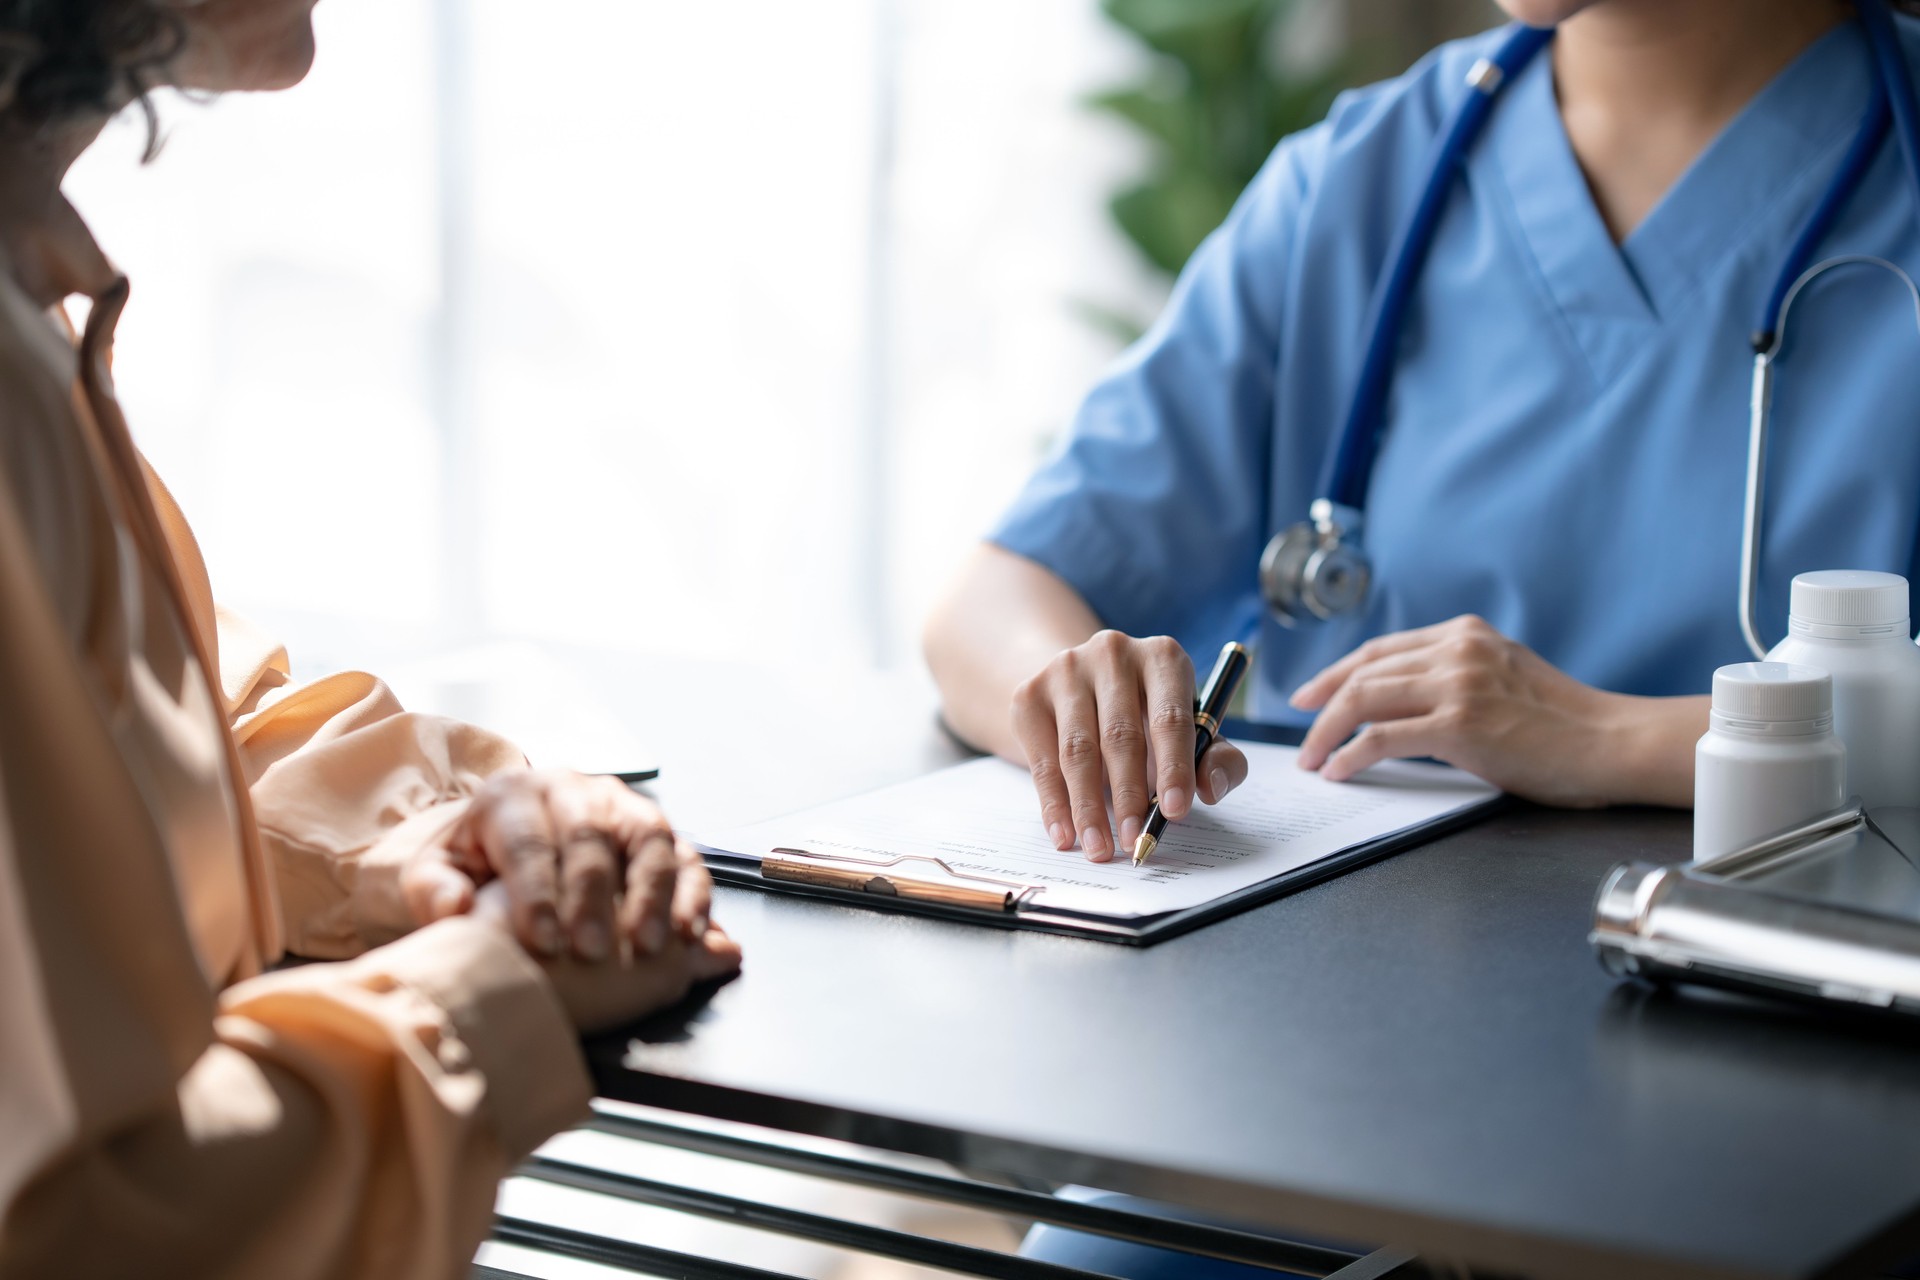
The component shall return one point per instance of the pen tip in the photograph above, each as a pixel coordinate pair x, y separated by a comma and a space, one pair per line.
1143, 848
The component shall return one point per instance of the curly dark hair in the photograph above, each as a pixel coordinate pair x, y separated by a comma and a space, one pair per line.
61, 59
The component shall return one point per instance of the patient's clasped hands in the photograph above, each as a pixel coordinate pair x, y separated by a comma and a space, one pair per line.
591, 879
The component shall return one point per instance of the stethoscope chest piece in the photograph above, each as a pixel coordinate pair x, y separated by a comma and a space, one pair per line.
1316, 569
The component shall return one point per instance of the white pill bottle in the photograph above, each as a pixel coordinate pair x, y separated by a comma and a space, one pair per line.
1853, 624
1770, 761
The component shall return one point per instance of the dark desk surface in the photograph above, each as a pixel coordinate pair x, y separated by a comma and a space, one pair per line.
1423, 1052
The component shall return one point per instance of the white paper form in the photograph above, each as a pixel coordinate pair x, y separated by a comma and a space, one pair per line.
982, 818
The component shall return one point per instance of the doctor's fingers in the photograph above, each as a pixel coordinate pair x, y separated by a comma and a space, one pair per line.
1039, 734
1223, 768
1411, 738
1166, 678
1464, 629
1369, 697
1084, 768
1123, 749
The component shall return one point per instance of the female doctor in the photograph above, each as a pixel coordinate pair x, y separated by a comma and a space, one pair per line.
1554, 511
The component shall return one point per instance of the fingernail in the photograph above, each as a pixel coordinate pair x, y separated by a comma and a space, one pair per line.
590, 940
1299, 699
1093, 840
1173, 802
1129, 832
1219, 779
1058, 832
653, 935
546, 935
700, 925
446, 900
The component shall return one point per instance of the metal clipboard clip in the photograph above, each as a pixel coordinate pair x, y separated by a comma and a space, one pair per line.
1826, 911
802, 866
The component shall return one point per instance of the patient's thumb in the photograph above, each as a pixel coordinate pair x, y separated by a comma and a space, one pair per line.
434, 888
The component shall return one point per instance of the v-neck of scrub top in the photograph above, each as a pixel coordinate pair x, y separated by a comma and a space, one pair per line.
1614, 299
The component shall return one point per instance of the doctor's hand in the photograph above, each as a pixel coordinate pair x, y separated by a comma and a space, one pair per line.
585, 866
1463, 693
1115, 715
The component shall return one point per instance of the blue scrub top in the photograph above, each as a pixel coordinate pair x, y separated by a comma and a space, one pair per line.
1566, 432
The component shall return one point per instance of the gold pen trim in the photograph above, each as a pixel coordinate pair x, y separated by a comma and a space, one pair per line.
1143, 848
1202, 720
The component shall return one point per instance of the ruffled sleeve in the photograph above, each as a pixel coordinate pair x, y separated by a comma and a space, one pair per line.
347, 785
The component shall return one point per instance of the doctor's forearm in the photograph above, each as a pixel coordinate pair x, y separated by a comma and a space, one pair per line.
1001, 621
1655, 739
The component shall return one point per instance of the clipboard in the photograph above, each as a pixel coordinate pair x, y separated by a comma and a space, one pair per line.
905, 884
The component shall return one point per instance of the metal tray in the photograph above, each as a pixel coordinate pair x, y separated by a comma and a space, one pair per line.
1827, 912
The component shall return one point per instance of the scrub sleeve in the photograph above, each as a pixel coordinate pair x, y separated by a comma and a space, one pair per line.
1155, 508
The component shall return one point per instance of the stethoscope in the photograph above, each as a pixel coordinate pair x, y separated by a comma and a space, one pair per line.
1317, 569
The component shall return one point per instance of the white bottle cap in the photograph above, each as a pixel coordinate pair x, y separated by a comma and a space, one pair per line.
1838, 603
1772, 697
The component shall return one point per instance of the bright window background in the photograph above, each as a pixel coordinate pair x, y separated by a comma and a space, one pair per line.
660, 327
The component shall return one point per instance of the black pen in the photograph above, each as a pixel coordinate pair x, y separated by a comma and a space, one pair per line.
1233, 663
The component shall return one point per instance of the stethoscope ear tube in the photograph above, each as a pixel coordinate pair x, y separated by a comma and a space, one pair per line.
1761, 415
1760, 422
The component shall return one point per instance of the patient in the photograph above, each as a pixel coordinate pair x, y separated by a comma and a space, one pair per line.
175, 817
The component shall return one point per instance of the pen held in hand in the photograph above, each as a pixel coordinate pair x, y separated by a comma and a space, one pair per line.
1214, 698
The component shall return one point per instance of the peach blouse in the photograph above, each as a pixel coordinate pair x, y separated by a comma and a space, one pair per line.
174, 816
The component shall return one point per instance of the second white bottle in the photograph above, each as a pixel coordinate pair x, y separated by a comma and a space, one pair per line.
1853, 624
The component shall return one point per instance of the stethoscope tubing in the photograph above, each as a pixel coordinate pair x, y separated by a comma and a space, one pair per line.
1892, 102
1853, 168
1884, 39
1345, 476
1760, 426
1349, 467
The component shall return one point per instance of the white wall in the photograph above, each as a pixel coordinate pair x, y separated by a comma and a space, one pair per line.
757, 314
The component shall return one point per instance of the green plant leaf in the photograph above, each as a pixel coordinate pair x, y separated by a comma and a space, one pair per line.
1169, 24
1158, 110
1212, 105
1169, 216
1209, 37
